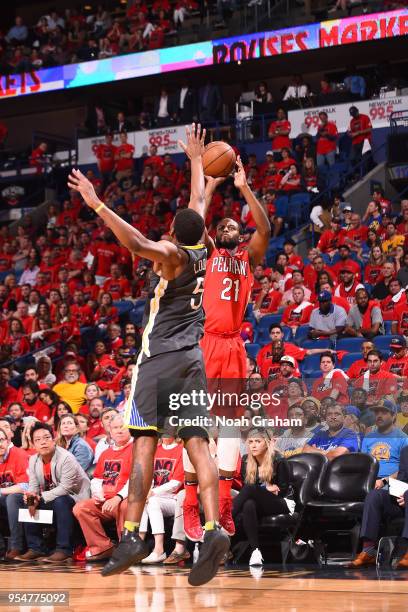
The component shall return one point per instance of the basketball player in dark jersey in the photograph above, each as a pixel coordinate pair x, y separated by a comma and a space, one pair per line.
169, 350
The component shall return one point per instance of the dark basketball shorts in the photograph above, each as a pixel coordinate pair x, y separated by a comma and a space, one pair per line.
169, 395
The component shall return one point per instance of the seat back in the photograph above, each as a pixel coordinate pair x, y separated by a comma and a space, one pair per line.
315, 464
349, 477
302, 481
252, 349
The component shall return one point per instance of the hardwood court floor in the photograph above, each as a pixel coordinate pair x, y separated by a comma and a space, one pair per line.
159, 589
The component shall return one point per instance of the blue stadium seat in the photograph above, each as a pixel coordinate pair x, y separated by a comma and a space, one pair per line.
387, 327
301, 334
136, 315
349, 359
321, 344
123, 306
382, 343
282, 206
352, 345
268, 320
252, 349
299, 205
310, 364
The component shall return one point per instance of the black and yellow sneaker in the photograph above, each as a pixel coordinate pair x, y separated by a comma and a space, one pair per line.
130, 550
214, 548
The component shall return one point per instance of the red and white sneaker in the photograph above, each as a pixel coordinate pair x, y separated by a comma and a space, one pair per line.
226, 520
192, 523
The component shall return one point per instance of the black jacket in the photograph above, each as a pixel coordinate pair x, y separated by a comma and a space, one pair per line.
281, 474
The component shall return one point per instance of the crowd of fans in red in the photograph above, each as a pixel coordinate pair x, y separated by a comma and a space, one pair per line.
79, 35
68, 346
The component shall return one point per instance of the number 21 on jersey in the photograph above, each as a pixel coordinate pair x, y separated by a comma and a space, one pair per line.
231, 291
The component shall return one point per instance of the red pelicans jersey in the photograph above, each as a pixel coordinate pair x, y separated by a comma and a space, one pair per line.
227, 288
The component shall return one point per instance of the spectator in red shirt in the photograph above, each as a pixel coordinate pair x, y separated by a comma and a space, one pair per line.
344, 254
105, 252
16, 338
117, 285
356, 234
295, 260
392, 301
106, 312
373, 269
400, 322
124, 157
312, 270
291, 181
397, 363
38, 157
109, 488
298, 313
287, 161
81, 312
348, 284
331, 239
105, 154
377, 381
359, 131
31, 403
268, 300
8, 394
326, 138
360, 366
168, 478
13, 482
279, 131
333, 382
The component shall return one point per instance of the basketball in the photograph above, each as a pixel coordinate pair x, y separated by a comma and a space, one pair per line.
219, 159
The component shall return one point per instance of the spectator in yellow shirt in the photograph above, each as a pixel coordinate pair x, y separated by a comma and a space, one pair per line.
392, 239
71, 390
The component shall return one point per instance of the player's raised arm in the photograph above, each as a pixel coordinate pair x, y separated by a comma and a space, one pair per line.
194, 150
260, 239
161, 252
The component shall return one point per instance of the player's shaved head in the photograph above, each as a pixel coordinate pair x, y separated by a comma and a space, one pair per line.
188, 226
227, 236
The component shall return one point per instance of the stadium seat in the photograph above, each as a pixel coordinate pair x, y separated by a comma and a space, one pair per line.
351, 345
321, 344
282, 206
299, 205
349, 359
301, 334
310, 364
344, 486
382, 343
136, 315
123, 306
387, 327
252, 349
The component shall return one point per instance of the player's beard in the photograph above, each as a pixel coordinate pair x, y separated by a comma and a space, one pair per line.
226, 243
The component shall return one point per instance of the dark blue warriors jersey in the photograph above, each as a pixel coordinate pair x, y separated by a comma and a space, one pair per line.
174, 316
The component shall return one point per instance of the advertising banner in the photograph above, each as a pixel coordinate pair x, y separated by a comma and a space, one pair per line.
307, 37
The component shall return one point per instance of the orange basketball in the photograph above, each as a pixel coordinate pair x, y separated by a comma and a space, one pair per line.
219, 159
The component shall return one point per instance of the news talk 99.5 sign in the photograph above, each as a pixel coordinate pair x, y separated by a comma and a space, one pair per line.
222, 51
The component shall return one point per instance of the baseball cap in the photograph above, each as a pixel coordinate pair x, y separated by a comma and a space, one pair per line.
269, 153
324, 296
288, 359
346, 268
10, 420
336, 220
347, 208
387, 404
353, 410
397, 342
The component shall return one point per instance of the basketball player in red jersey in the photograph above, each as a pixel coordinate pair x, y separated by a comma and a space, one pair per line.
227, 288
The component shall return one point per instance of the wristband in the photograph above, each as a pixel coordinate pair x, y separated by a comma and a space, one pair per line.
119, 495
99, 207
385, 481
